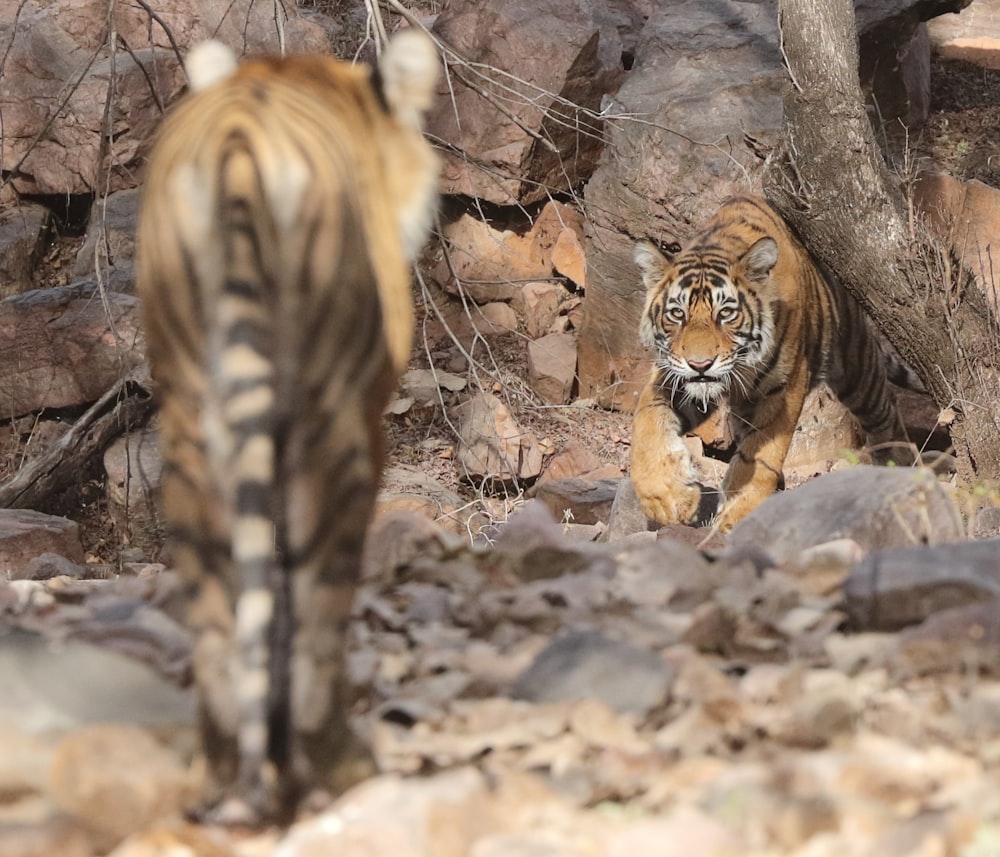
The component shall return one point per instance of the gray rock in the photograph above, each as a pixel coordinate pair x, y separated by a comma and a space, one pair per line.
581, 501
894, 588
587, 665
49, 565
966, 638
26, 534
133, 465
22, 231
108, 249
877, 507
626, 517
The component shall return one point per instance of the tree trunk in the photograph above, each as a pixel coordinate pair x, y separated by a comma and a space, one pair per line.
830, 182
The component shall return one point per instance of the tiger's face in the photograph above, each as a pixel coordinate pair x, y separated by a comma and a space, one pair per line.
707, 317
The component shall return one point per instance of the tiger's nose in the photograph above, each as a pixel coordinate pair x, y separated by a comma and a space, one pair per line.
701, 365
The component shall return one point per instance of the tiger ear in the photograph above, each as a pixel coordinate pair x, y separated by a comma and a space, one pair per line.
208, 63
407, 74
759, 260
652, 261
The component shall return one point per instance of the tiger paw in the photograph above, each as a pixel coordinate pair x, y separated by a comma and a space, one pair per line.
668, 501
734, 509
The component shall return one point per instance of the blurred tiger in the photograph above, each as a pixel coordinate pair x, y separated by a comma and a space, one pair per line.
284, 202
742, 313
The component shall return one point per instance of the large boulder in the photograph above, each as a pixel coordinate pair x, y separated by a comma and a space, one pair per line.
66, 88
519, 106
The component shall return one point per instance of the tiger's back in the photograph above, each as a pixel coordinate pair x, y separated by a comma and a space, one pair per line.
283, 205
743, 314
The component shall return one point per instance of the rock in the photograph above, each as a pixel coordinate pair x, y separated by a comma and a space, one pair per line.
49, 688
921, 416
25, 534
177, 839
577, 500
536, 547
577, 461
49, 565
626, 516
971, 36
65, 347
552, 367
587, 665
824, 431
115, 779
133, 465
23, 227
679, 833
491, 444
890, 589
825, 706
405, 817
538, 305
484, 263
966, 217
570, 259
108, 248
494, 319
491, 264
408, 489
519, 125
877, 507
426, 386
968, 635
61, 836
58, 82
397, 538
895, 71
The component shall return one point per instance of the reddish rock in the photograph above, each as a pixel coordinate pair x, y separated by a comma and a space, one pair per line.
58, 69
115, 779
552, 367
492, 445
520, 124
576, 460
966, 217
538, 304
25, 534
65, 347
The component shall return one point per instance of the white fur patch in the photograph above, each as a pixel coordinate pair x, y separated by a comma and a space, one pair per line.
253, 538
207, 63
409, 68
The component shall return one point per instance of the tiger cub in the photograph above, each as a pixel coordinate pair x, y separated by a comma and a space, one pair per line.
742, 313
284, 202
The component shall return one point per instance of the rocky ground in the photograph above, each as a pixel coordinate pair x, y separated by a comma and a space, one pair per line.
820, 691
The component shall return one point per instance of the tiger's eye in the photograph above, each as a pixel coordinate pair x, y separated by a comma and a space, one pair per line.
727, 313
674, 314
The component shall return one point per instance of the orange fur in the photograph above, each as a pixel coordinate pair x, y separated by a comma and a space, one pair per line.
743, 314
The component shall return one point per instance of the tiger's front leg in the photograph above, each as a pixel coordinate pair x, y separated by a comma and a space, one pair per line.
765, 434
661, 468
